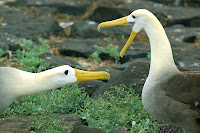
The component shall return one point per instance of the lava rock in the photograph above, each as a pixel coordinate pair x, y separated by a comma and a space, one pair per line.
111, 13
88, 29
91, 86
21, 123
120, 130
85, 129
85, 29
7, 42
24, 26
78, 47
135, 73
188, 58
182, 33
192, 3
59, 61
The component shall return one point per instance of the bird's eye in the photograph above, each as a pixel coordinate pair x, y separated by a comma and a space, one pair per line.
133, 16
66, 72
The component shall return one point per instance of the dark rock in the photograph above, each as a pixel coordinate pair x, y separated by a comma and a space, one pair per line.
122, 66
85, 29
3, 46
133, 54
179, 44
167, 15
189, 58
181, 33
118, 32
137, 50
8, 42
69, 119
15, 124
78, 47
23, 124
91, 86
33, 27
24, 26
193, 3
17, 3
11, 17
71, 7
59, 61
111, 13
85, 129
121, 130
190, 38
88, 29
188, 22
135, 73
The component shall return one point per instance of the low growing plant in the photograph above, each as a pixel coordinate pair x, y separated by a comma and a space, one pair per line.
29, 57
110, 50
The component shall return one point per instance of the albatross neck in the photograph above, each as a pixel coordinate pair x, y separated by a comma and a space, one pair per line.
162, 61
36, 82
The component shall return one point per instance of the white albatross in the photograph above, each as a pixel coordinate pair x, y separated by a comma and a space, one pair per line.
169, 95
15, 83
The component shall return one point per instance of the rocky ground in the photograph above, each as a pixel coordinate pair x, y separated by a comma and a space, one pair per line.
71, 27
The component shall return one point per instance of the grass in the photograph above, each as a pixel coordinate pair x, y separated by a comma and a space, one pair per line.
106, 112
110, 50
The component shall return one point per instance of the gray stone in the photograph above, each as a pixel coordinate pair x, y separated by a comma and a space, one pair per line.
120, 130
111, 13
24, 26
182, 33
85, 129
91, 86
23, 124
85, 29
77, 47
59, 61
135, 73
88, 29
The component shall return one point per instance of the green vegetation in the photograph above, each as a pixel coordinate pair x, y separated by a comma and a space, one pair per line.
110, 50
149, 55
29, 57
106, 112
111, 111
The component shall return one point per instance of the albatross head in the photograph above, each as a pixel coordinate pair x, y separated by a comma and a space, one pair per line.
68, 74
138, 19
30, 83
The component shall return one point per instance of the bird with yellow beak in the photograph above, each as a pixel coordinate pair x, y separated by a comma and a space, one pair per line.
121, 21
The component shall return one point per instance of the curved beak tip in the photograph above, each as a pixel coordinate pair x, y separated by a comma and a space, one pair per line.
99, 27
107, 77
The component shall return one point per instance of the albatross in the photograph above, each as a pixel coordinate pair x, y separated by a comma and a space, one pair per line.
15, 83
169, 95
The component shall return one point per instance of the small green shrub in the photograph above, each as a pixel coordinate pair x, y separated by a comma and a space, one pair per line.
95, 56
29, 57
111, 111
110, 49
149, 55
47, 124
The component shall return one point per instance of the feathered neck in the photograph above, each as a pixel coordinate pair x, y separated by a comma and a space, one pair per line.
162, 61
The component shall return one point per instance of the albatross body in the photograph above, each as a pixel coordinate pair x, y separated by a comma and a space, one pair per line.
169, 95
15, 83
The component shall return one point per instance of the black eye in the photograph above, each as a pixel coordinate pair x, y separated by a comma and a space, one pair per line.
66, 72
133, 16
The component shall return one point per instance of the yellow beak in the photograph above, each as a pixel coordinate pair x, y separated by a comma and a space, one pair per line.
88, 75
120, 21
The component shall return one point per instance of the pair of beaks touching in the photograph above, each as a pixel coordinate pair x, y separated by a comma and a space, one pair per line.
169, 95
